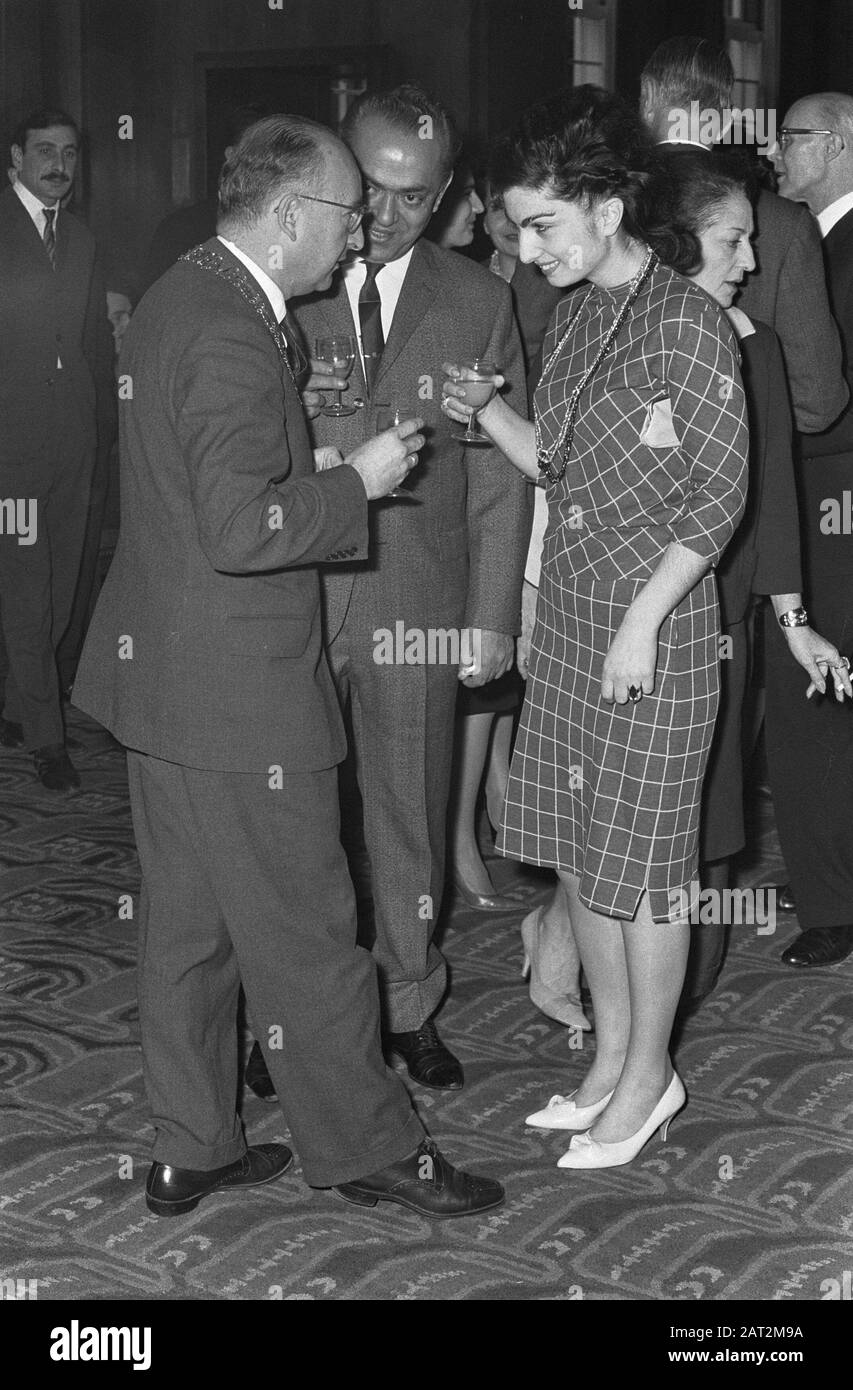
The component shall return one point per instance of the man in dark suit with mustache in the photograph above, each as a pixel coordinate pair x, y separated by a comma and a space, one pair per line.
57, 405
204, 657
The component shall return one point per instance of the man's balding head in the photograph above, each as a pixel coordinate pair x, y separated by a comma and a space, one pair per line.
288, 193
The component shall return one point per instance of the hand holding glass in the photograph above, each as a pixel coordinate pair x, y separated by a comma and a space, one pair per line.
340, 354
477, 375
387, 416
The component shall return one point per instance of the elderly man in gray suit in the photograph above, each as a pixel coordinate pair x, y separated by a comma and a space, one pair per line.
205, 658
447, 557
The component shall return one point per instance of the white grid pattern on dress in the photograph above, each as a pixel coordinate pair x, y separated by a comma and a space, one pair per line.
612, 793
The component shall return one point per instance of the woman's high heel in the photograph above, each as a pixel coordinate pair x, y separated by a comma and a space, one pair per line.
554, 997
588, 1152
561, 1112
488, 902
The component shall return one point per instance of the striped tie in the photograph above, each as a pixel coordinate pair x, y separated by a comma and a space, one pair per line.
49, 235
370, 319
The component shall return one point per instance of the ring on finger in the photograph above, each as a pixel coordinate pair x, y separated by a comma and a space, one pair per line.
634, 693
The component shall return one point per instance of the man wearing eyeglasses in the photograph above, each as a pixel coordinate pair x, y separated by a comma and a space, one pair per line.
449, 557
205, 659
810, 742
786, 290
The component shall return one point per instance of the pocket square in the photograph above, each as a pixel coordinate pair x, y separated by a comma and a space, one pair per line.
659, 431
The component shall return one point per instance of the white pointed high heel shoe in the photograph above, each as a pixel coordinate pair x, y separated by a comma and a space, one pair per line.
587, 1152
561, 1112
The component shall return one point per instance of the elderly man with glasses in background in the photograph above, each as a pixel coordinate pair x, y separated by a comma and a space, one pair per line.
810, 743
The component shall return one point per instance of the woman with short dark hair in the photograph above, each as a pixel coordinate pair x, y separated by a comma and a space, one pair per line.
709, 204
640, 437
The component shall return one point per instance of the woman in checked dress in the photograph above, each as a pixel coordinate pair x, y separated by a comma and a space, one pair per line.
641, 439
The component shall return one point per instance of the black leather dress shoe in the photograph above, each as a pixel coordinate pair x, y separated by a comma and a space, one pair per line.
11, 734
257, 1076
172, 1191
55, 769
426, 1183
820, 946
430, 1063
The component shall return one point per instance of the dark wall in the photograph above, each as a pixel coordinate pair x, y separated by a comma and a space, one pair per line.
487, 59
816, 49
643, 24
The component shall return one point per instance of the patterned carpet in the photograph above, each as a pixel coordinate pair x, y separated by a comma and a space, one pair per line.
750, 1198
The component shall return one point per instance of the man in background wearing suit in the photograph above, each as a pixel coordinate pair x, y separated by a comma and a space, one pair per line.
57, 406
787, 290
810, 742
204, 657
449, 557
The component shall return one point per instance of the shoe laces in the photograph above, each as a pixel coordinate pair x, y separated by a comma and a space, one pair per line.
429, 1033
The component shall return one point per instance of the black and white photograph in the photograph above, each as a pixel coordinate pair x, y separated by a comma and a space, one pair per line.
426, 625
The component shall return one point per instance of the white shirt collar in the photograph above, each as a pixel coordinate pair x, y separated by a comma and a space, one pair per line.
392, 272
269, 287
35, 206
827, 219
697, 144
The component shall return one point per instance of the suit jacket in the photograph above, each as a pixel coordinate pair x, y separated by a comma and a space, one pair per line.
456, 556
763, 556
787, 290
223, 523
45, 314
838, 256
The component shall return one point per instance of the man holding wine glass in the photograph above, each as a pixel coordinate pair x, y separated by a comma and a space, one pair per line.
222, 695
447, 551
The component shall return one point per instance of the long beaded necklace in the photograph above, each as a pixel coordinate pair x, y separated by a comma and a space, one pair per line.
545, 457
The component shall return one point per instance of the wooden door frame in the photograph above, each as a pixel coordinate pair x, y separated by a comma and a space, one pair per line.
376, 61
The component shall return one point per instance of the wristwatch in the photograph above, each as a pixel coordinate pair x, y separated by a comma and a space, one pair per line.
795, 617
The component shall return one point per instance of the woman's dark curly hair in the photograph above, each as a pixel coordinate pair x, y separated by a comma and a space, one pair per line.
696, 186
583, 146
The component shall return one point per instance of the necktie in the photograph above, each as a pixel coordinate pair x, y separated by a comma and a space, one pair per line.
297, 359
370, 319
49, 235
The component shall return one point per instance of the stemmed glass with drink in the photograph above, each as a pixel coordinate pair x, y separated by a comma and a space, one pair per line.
387, 416
477, 375
339, 352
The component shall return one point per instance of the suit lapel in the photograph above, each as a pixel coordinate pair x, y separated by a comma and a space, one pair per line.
63, 237
418, 292
838, 235
25, 231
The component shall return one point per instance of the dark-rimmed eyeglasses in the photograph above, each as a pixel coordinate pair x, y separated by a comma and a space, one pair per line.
785, 132
356, 211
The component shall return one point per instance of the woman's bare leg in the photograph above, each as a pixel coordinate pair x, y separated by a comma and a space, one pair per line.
602, 952
655, 955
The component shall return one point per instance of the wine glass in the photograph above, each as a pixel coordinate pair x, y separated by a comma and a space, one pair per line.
477, 375
387, 416
340, 354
